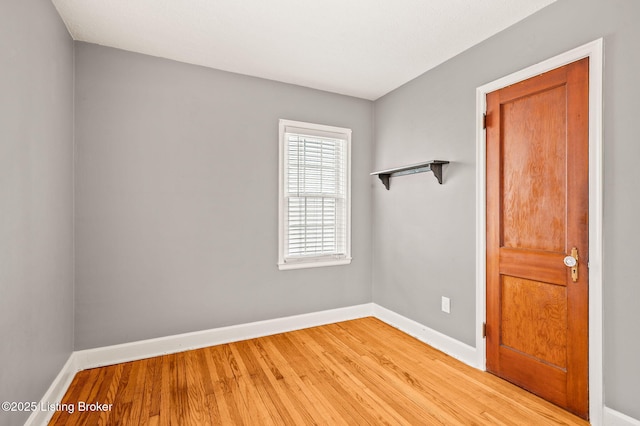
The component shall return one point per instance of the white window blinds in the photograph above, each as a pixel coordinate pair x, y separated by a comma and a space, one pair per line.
315, 194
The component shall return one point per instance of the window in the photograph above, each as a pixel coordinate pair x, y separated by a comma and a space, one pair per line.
315, 195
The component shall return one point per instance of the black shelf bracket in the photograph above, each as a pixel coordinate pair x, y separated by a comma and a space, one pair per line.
434, 166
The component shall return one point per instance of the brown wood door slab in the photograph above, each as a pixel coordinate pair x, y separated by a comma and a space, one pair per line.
537, 211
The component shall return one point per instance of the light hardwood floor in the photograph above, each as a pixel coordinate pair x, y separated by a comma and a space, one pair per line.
360, 372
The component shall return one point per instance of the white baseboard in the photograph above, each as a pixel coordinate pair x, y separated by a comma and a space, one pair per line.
109, 355
442, 342
55, 393
616, 418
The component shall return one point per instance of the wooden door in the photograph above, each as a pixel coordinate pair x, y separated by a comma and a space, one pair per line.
537, 212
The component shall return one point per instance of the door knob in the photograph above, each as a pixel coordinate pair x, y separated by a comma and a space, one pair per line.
572, 262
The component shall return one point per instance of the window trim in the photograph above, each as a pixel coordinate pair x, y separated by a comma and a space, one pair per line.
290, 126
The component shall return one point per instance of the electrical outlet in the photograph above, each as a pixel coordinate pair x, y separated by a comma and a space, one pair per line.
446, 304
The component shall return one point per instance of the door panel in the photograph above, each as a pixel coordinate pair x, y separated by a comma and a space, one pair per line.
537, 211
534, 169
534, 319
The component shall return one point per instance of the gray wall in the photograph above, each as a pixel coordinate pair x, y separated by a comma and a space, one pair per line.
424, 234
176, 199
36, 200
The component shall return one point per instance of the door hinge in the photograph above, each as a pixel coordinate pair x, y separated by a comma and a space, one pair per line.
484, 121
484, 329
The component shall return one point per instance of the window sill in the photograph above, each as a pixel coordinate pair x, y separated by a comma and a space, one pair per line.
313, 264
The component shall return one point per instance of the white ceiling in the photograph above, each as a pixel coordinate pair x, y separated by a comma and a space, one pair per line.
362, 48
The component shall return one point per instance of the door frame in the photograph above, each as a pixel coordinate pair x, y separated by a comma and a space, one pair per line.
594, 51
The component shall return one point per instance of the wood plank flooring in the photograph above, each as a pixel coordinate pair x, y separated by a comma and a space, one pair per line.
360, 372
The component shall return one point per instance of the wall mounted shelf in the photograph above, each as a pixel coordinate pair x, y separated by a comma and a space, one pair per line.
434, 166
